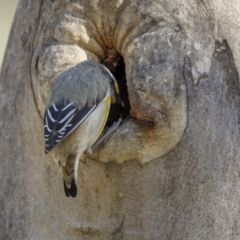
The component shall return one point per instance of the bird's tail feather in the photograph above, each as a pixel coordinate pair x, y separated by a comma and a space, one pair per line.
69, 176
72, 191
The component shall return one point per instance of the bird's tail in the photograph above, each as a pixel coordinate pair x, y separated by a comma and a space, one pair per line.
69, 176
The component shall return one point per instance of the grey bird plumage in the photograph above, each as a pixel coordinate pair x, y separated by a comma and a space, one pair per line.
76, 113
89, 81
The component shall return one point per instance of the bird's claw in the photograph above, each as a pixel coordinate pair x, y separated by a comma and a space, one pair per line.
106, 135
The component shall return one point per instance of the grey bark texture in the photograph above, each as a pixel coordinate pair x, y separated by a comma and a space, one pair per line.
178, 179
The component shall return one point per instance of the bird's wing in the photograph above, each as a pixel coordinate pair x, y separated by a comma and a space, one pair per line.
60, 121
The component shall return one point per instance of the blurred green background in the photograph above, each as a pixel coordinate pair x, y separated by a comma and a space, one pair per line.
7, 10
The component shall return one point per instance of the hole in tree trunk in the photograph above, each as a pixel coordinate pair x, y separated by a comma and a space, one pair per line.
115, 63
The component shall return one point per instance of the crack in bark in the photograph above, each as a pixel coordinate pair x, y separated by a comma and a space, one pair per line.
30, 66
118, 233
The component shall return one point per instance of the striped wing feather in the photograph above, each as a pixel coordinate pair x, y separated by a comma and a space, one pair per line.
60, 121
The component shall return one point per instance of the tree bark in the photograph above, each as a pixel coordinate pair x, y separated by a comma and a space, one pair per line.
189, 187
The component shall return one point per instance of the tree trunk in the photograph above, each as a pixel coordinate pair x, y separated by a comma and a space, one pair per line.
178, 179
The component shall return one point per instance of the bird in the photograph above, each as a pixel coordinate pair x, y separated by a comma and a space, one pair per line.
76, 112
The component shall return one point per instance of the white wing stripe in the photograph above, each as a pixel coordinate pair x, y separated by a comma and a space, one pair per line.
88, 113
47, 126
50, 116
67, 116
55, 108
64, 127
66, 107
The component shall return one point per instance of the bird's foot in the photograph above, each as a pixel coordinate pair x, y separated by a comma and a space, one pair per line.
106, 135
88, 151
